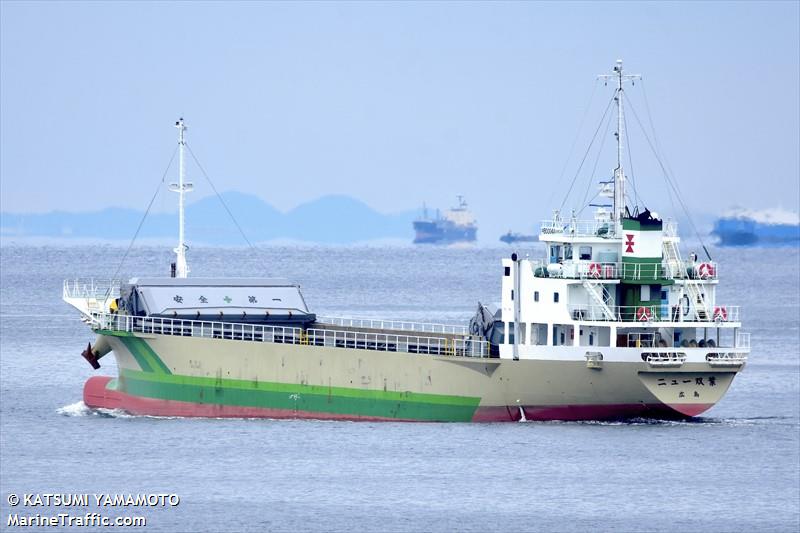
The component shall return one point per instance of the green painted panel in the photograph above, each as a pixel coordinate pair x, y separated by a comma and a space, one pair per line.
635, 225
145, 356
290, 396
643, 271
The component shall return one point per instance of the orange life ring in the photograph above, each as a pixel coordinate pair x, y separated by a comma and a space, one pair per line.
720, 314
644, 314
594, 270
706, 270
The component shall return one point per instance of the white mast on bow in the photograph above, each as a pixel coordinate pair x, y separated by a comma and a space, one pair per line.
182, 187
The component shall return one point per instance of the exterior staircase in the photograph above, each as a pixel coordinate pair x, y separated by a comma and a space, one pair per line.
599, 293
675, 268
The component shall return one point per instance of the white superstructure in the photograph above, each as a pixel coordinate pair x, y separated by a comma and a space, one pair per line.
615, 288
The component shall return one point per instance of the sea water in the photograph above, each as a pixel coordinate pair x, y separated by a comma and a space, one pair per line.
736, 468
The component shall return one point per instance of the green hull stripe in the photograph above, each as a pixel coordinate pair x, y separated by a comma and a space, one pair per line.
148, 360
290, 396
142, 361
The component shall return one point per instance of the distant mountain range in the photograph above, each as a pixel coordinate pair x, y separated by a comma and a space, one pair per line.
329, 219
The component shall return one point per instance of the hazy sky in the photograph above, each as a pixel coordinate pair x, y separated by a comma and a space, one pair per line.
394, 103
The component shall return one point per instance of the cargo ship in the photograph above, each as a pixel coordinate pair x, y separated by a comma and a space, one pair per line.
515, 237
456, 225
611, 323
769, 227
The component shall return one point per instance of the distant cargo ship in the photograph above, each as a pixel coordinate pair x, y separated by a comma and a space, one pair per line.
514, 237
770, 227
456, 225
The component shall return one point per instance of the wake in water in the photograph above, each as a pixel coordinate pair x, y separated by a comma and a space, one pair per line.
81, 409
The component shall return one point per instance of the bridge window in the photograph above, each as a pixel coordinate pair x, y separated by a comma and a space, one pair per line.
555, 297
586, 253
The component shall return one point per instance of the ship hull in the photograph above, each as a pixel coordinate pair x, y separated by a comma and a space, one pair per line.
442, 233
513, 238
101, 392
164, 375
746, 232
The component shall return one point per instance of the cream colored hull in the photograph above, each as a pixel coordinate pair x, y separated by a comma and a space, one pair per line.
217, 377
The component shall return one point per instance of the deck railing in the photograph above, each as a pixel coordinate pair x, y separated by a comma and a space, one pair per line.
742, 340
364, 340
398, 325
593, 228
590, 270
650, 313
91, 288
577, 228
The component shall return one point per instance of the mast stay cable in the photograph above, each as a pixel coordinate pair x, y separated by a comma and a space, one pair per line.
575, 140
230, 213
670, 182
657, 143
586, 154
630, 158
141, 223
589, 182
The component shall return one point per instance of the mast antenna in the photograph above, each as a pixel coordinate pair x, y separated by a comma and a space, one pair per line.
182, 187
619, 173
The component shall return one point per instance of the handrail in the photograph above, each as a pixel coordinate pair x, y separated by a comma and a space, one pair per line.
100, 289
580, 228
588, 269
664, 358
593, 228
90, 288
726, 358
651, 313
742, 340
394, 325
365, 340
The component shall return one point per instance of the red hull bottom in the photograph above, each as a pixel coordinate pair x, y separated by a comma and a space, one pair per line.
96, 395
590, 412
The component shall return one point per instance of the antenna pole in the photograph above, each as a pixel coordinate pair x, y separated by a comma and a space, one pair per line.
619, 173
182, 187
619, 180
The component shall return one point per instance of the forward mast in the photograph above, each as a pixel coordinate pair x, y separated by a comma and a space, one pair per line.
181, 269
